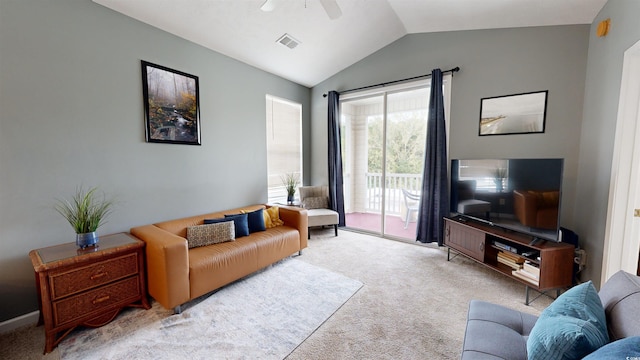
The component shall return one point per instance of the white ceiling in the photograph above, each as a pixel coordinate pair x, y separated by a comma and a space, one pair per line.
240, 30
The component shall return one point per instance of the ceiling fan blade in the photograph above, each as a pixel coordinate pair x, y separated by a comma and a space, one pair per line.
332, 8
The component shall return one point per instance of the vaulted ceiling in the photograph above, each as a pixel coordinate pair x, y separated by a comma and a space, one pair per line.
241, 30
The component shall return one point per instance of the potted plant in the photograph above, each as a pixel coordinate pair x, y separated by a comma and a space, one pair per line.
290, 182
500, 174
85, 212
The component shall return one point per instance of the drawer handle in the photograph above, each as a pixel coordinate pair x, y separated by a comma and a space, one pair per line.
98, 276
101, 299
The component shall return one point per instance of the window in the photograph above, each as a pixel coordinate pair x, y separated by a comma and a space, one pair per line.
490, 175
284, 144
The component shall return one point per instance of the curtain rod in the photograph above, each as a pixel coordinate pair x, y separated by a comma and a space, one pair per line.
454, 70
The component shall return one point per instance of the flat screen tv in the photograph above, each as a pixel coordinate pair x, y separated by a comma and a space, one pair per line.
522, 195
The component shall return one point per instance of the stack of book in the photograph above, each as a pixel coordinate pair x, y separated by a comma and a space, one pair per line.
512, 260
506, 247
530, 272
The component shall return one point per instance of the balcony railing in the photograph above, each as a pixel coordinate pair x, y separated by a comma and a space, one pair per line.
394, 200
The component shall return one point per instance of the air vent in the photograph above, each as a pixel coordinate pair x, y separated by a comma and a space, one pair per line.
288, 41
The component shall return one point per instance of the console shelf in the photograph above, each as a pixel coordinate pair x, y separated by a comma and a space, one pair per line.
504, 251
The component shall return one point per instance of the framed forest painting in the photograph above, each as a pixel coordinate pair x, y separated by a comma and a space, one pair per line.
171, 105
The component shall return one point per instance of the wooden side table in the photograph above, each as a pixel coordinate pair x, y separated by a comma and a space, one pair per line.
88, 286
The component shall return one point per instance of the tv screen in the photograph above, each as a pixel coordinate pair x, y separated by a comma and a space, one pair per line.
522, 195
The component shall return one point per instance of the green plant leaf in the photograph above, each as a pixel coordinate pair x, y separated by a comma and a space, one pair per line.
86, 211
290, 182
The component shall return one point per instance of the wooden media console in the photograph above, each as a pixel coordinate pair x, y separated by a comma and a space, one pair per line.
540, 265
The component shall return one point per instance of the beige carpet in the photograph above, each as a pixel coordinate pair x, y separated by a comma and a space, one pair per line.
413, 304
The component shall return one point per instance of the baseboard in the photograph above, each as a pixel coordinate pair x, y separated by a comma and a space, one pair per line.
18, 322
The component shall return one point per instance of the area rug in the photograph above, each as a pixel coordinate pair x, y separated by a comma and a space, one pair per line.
264, 316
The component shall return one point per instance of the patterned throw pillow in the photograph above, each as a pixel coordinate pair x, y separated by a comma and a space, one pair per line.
316, 202
274, 216
202, 235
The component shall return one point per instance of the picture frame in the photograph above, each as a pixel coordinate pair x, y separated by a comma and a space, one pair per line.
171, 105
524, 113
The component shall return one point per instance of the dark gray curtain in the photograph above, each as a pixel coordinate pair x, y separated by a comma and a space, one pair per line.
434, 202
336, 196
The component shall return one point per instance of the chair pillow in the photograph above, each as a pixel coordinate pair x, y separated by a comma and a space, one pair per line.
202, 235
316, 202
573, 326
255, 220
274, 216
240, 222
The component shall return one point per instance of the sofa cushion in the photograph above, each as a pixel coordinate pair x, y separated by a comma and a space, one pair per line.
240, 222
255, 220
573, 326
274, 216
320, 217
211, 267
496, 332
627, 348
316, 202
273, 243
267, 219
620, 297
202, 235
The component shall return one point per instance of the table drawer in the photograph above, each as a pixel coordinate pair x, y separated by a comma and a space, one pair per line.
88, 277
69, 309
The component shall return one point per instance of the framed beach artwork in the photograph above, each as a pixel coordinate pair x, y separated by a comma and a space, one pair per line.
171, 105
513, 114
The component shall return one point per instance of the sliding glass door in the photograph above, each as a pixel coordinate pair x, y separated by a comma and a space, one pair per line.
407, 114
362, 122
383, 141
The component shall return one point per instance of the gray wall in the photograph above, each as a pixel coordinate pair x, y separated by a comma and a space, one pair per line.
604, 75
71, 114
493, 62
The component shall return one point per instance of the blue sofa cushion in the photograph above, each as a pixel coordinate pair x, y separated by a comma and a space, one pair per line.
255, 219
573, 326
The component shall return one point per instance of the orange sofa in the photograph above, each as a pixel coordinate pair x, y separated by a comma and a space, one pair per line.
177, 274
537, 209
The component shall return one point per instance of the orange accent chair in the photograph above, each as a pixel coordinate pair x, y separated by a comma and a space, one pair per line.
536, 208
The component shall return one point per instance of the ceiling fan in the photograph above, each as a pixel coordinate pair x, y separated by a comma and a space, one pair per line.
330, 7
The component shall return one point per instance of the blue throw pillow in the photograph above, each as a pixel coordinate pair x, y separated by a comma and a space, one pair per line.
256, 221
240, 221
217, 220
573, 326
627, 348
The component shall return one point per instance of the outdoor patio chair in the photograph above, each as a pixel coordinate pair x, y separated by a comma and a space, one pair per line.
412, 202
